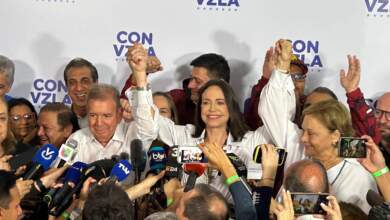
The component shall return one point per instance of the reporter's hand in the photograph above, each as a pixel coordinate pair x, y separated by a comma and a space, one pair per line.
137, 58
269, 162
374, 160
50, 178
332, 209
4, 165
218, 159
86, 188
20, 170
350, 80
171, 186
151, 180
285, 211
283, 53
269, 63
127, 113
24, 186
153, 65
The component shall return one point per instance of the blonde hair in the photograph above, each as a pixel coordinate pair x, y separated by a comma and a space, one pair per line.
333, 115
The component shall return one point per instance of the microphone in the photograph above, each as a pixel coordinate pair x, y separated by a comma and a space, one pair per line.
72, 177
138, 158
121, 156
67, 152
238, 164
173, 168
42, 161
157, 159
120, 171
93, 170
23, 158
194, 170
373, 198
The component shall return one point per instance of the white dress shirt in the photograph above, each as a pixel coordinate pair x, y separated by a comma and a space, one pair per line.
351, 182
172, 134
143, 127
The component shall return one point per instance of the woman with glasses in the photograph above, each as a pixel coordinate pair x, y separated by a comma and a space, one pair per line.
23, 121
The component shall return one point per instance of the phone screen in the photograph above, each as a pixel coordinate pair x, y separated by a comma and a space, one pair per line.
257, 155
351, 147
308, 203
190, 154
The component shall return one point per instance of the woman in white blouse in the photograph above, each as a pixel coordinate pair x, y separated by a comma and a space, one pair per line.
219, 121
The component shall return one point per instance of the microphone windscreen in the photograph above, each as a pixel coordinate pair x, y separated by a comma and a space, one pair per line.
74, 172
158, 158
198, 168
23, 158
124, 156
373, 198
121, 170
46, 155
105, 164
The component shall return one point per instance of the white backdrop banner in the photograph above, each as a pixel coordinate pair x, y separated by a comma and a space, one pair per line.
42, 36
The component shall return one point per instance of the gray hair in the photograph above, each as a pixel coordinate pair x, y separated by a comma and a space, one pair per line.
162, 216
7, 67
104, 92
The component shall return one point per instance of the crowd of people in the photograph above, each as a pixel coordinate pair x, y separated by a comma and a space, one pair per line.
255, 164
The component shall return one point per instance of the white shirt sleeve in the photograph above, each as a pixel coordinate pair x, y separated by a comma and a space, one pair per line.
145, 123
172, 134
277, 107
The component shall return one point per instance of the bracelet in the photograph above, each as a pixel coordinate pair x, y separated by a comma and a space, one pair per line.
65, 215
282, 71
232, 179
380, 172
169, 202
147, 87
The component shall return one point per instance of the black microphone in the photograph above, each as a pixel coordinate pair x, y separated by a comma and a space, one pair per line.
238, 164
55, 196
173, 168
96, 170
138, 158
194, 170
373, 198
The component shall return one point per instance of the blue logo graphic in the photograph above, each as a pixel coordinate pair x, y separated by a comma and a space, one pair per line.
378, 8
48, 90
126, 39
308, 52
218, 5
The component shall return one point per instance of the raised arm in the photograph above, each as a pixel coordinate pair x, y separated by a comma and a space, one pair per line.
363, 119
144, 112
277, 100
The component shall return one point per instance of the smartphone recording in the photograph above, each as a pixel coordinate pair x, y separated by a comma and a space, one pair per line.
351, 147
309, 203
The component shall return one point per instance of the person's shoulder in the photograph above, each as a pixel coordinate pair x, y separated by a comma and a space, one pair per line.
81, 134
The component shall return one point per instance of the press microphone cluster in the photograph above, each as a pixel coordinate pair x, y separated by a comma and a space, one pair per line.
97, 170
138, 158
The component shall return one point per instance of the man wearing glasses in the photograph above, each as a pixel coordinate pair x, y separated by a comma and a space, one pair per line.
382, 115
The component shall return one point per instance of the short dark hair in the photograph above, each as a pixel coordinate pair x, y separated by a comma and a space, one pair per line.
107, 201
236, 123
198, 206
21, 101
294, 183
8, 181
65, 116
78, 63
172, 106
216, 65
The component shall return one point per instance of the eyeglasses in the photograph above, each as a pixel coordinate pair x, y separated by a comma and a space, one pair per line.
378, 113
298, 76
26, 116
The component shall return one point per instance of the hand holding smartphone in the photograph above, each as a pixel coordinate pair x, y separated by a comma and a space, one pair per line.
309, 203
